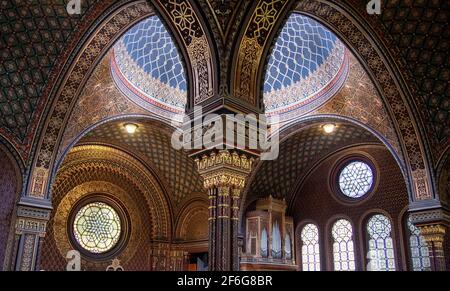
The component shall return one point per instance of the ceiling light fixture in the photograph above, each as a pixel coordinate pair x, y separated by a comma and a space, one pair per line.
329, 128
131, 128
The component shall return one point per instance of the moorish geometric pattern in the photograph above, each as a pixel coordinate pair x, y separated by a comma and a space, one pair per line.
306, 63
298, 154
420, 29
146, 65
150, 140
356, 179
34, 35
97, 227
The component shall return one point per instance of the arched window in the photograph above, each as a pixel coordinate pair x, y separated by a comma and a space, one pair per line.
381, 246
343, 247
310, 248
419, 252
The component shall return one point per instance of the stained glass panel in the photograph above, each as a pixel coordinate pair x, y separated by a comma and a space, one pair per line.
97, 227
356, 179
343, 247
420, 256
310, 248
381, 246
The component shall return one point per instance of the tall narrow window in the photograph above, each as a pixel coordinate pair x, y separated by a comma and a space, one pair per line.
343, 247
381, 246
420, 258
310, 248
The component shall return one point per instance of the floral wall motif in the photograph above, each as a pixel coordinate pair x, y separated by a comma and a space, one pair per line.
359, 99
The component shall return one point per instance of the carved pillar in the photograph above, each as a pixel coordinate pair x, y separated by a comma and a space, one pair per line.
31, 227
224, 175
433, 225
434, 235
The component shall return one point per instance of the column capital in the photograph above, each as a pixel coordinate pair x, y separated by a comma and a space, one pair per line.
225, 168
32, 220
433, 233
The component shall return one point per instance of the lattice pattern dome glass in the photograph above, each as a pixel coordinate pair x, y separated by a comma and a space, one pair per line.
97, 228
307, 62
147, 67
356, 179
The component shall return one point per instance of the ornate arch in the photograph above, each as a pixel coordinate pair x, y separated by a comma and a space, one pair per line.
111, 25
350, 30
195, 208
96, 157
61, 218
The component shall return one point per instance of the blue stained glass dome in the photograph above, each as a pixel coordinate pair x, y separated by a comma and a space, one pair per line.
147, 68
308, 65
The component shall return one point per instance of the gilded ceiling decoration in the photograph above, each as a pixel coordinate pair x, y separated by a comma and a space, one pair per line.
101, 163
425, 57
223, 13
298, 154
251, 48
359, 99
35, 34
175, 167
102, 99
421, 31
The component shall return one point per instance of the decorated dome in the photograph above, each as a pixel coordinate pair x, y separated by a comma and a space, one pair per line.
308, 65
147, 68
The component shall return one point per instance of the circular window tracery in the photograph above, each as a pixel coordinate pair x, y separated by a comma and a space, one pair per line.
356, 179
97, 227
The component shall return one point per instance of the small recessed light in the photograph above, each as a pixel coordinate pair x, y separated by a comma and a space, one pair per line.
131, 128
329, 128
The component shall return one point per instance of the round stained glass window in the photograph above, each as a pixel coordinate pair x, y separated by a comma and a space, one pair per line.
356, 179
97, 227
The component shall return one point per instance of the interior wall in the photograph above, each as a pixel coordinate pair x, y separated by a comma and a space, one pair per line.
315, 201
9, 182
